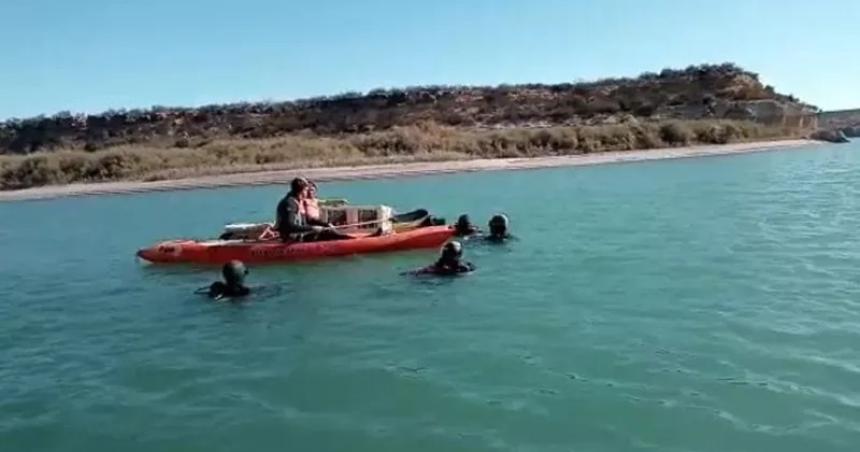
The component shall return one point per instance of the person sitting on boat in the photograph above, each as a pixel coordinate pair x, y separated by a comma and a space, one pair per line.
312, 204
450, 262
293, 223
498, 226
233, 286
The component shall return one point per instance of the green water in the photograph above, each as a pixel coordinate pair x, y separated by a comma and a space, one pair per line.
687, 305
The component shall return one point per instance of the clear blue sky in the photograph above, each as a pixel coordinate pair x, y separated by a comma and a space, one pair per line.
91, 55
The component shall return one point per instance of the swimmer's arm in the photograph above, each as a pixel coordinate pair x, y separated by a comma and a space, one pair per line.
216, 291
421, 271
210, 290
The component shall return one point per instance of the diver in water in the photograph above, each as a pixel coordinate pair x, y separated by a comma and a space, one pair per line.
498, 229
450, 262
233, 286
464, 226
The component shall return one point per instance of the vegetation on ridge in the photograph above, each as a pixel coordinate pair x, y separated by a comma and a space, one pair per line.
424, 142
699, 104
698, 92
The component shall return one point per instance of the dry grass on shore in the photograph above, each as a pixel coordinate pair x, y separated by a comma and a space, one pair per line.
427, 142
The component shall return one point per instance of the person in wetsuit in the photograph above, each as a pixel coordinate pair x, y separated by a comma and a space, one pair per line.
450, 262
464, 226
498, 229
233, 286
294, 224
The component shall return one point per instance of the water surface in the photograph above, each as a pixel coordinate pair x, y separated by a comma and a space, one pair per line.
688, 305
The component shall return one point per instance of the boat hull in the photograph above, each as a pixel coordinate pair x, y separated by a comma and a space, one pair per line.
222, 251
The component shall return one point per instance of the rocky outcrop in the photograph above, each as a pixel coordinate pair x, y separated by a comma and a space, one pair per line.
830, 136
848, 121
839, 119
740, 112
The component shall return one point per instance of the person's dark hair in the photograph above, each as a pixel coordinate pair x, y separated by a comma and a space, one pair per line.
452, 250
234, 273
498, 224
464, 225
298, 184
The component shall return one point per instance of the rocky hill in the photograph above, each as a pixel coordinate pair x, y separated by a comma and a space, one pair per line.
698, 92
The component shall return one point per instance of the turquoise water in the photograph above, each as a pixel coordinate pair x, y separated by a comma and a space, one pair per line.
687, 305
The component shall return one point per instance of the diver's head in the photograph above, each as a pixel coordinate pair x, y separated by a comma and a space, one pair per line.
312, 189
298, 186
451, 252
498, 225
234, 273
464, 225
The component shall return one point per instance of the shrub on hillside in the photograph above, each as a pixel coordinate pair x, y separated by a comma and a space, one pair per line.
32, 172
647, 136
676, 133
556, 139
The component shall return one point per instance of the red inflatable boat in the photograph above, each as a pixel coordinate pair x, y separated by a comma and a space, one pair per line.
221, 251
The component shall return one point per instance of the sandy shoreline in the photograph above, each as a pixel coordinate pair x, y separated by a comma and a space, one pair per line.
393, 170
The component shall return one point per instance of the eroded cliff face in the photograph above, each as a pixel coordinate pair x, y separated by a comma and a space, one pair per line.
697, 92
848, 121
766, 111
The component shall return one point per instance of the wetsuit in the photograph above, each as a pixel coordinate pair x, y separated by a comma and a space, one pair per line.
219, 290
446, 268
498, 238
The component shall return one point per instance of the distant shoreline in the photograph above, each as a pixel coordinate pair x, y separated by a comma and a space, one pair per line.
393, 170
